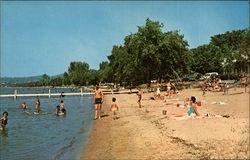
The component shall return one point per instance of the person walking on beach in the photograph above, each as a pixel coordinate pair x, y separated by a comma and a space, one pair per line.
139, 94
4, 121
158, 92
98, 101
114, 109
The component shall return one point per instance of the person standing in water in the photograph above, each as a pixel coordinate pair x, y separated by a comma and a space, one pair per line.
4, 121
139, 94
37, 106
62, 104
98, 101
24, 108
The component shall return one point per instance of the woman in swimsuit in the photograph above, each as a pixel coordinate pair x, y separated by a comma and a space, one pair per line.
192, 110
4, 121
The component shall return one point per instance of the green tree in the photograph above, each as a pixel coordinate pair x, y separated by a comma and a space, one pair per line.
45, 79
78, 72
206, 58
93, 76
66, 79
149, 54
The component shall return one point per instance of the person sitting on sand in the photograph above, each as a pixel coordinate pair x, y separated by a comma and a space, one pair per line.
192, 110
139, 94
114, 109
4, 121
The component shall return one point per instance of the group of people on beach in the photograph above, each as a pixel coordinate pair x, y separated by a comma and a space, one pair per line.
214, 83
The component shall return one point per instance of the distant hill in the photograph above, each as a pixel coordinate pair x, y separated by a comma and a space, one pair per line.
13, 80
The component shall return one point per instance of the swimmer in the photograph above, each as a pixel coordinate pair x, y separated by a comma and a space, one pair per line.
62, 112
24, 108
58, 111
4, 121
62, 104
38, 106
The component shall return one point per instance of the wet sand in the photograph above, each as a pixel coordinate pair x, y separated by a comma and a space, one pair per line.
145, 133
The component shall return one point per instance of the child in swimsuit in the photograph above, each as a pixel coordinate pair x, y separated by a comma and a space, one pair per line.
4, 121
58, 111
114, 108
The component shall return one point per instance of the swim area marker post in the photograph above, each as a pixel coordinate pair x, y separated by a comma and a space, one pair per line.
49, 93
81, 92
15, 94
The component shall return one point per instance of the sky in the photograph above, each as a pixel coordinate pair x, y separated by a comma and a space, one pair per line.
45, 36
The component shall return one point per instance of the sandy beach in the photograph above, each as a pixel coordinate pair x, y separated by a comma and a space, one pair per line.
145, 133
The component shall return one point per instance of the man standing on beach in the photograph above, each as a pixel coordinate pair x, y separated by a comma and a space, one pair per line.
98, 101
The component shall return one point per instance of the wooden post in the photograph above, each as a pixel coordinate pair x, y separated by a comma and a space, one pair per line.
81, 92
15, 94
49, 93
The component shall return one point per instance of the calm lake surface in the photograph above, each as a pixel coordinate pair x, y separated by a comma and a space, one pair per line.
45, 137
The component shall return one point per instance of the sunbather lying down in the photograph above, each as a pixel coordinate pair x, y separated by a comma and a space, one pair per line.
193, 116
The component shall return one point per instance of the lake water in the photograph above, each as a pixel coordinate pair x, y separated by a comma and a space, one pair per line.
44, 137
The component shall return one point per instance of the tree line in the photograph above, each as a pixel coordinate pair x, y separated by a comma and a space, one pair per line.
151, 53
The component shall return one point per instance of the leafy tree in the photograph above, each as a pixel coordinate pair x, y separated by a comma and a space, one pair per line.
58, 81
66, 79
45, 79
78, 72
149, 54
93, 76
206, 58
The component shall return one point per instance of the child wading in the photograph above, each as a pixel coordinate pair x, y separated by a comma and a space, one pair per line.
114, 109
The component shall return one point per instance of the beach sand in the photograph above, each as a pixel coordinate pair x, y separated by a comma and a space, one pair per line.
145, 133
